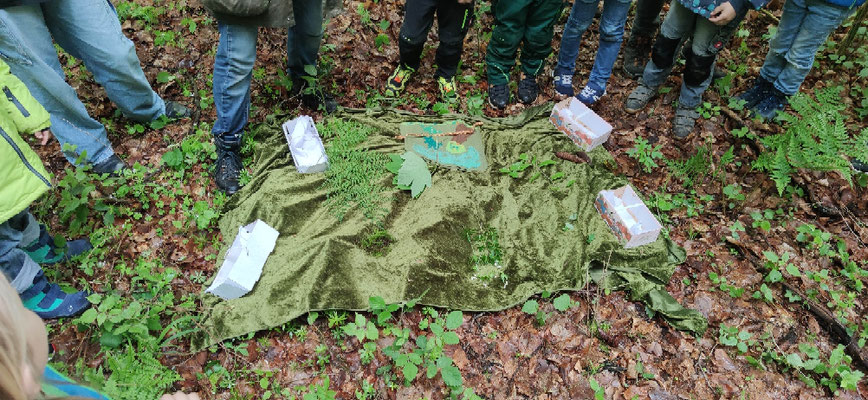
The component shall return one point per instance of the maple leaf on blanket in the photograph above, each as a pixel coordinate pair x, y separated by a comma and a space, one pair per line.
414, 173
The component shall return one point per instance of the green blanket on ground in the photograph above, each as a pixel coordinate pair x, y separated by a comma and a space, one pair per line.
552, 238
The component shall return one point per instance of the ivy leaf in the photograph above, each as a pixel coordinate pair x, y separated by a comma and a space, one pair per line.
414, 173
793, 270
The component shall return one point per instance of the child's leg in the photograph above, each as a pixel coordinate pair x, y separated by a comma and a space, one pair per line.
89, 30
511, 20
581, 16
418, 19
820, 20
699, 61
679, 22
29, 50
453, 22
611, 36
791, 21
538, 34
16, 233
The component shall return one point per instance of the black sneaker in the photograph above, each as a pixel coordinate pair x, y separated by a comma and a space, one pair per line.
859, 165
176, 111
498, 96
111, 166
314, 97
636, 55
228, 169
528, 89
757, 93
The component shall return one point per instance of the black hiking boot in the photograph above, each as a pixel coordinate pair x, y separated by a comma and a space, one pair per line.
859, 165
528, 89
757, 93
636, 55
498, 96
227, 172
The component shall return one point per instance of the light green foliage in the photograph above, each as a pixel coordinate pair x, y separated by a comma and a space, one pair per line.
134, 375
532, 307
354, 174
693, 168
564, 302
486, 255
414, 173
320, 391
362, 329
816, 139
733, 337
599, 392
721, 282
645, 154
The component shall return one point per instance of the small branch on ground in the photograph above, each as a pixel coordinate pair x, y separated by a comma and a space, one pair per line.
824, 316
578, 157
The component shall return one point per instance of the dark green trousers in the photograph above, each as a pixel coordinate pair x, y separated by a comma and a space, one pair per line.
529, 23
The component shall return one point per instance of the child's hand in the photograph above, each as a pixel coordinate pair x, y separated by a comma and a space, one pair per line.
44, 136
180, 396
722, 14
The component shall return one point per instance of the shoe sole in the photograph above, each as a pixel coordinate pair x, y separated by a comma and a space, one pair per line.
495, 106
633, 110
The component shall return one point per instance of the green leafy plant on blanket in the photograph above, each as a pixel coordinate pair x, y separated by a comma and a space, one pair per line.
486, 254
411, 172
353, 177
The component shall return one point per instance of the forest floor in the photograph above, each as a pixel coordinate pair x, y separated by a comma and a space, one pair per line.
157, 240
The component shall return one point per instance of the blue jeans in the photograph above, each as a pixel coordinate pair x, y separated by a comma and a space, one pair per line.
15, 233
611, 35
804, 26
89, 31
236, 55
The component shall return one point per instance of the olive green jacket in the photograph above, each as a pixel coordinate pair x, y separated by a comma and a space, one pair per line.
22, 176
278, 13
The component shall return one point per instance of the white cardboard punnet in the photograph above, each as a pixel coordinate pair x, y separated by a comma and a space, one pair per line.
305, 145
581, 124
627, 216
243, 264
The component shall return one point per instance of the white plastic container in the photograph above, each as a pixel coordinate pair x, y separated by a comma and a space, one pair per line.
305, 145
581, 124
244, 261
628, 217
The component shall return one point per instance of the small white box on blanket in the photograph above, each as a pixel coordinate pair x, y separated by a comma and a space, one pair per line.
581, 124
243, 264
305, 145
628, 217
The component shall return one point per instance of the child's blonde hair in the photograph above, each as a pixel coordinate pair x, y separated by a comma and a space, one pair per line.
14, 352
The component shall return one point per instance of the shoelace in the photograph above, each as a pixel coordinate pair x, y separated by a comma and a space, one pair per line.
229, 163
